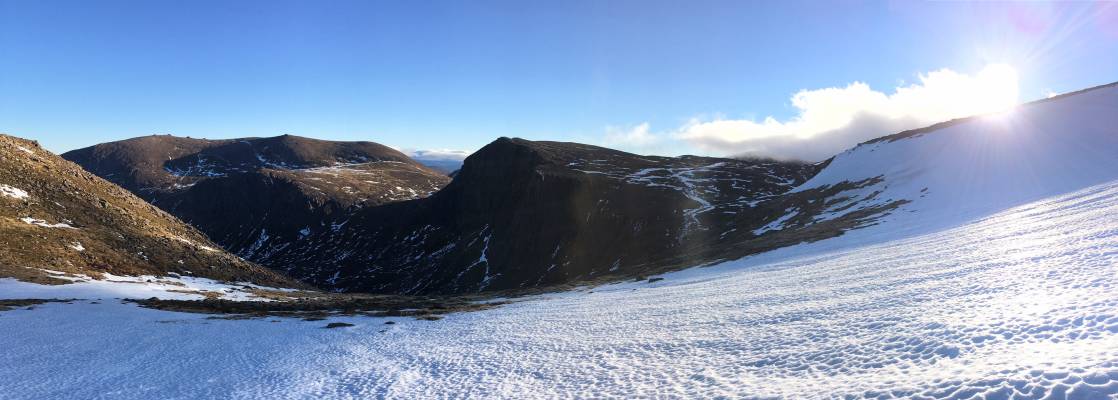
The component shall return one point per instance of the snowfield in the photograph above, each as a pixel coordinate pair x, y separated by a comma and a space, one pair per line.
1023, 303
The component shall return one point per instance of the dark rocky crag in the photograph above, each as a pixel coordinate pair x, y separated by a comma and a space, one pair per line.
254, 194
524, 214
57, 219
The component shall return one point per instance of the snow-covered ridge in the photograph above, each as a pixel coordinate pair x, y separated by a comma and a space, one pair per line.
969, 168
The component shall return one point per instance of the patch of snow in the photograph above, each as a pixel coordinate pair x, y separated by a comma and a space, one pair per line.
482, 259
776, 224
13, 192
258, 244
189, 242
76, 246
45, 224
127, 287
333, 280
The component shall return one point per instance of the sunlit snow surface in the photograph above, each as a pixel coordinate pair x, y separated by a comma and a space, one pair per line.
1022, 303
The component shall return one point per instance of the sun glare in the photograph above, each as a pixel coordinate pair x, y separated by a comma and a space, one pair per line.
996, 89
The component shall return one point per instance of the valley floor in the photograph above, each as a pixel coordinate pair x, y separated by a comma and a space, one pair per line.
1021, 304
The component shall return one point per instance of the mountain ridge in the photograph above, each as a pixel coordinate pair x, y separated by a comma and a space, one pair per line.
243, 192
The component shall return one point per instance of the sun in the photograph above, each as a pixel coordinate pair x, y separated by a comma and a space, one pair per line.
995, 95
995, 89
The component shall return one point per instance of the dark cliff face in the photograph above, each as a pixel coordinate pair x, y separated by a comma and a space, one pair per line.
524, 214
56, 216
253, 194
237, 209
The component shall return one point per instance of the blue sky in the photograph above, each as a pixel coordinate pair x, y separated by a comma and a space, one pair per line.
457, 74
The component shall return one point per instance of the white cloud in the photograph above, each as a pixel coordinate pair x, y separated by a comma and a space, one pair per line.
631, 137
437, 154
833, 119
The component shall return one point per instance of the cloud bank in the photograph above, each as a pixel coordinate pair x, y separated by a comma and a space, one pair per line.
831, 120
437, 154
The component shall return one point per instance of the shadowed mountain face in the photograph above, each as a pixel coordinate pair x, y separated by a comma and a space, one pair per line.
523, 214
55, 216
519, 214
254, 194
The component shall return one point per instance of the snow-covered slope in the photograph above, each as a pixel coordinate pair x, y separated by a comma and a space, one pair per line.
958, 170
1021, 303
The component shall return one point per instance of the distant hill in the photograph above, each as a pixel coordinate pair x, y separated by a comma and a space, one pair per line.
445, 166
445, 161
253, 194
57, 218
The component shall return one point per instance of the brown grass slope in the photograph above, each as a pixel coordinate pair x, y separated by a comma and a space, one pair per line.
75, 222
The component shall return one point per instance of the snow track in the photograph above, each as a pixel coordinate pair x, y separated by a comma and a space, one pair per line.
1022, 304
